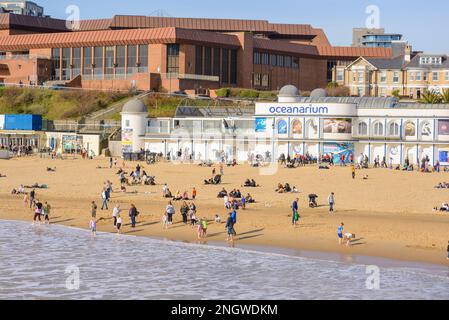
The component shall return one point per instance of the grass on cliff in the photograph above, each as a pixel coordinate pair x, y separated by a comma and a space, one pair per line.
55, 104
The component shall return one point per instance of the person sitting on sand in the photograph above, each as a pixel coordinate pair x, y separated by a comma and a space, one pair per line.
2, 176
185, 196
217, 219
249, 199
247, 183
287, 188
222, 193
280, 188
178, 196
365, 177
295, 190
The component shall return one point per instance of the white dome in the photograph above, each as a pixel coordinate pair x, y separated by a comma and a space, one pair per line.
134, 106
289, 91
318, 93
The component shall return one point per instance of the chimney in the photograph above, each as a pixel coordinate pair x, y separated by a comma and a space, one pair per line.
408, 53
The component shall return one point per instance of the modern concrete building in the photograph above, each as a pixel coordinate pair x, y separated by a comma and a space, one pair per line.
154, 53
22, 7
318, 125
373, 38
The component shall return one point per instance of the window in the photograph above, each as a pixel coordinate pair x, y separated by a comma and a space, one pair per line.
120, 60
98, 61
295, 63
396, 76
360, 76
56, 64
383, 92
273, 60
383, 76
412, 76
446, 77
66, 63
265, 80
435, 76
173, 58
418, 76
340, 75
265, 59
257, 79
257, 58
132, 59
280, 61
198, 60
363, 129
216, 66
378, 129
225, 65
109, 60
233, 66
360, 92
288, 62
425, 76
394, 129
208, 61
87, 61
143, 58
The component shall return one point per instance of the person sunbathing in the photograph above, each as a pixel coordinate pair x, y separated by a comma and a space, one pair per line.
2, 176
280, 188
51, 169
444, 208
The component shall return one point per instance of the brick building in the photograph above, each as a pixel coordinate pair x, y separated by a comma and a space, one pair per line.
150, 53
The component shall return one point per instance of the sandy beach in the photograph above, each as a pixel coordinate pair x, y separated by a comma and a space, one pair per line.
390, 213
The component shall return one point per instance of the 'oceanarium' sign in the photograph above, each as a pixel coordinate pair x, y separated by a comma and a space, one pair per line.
314, 109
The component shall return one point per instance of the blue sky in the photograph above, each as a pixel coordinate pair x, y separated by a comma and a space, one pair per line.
424, 23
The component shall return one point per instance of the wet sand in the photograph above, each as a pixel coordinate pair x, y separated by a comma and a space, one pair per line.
390, 214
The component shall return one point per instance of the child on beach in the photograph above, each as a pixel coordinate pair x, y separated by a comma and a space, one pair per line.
340, 233
165, 221
119, 223
200, 230
46, 212
93, 227
204, 227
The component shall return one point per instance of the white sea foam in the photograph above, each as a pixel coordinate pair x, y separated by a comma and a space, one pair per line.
34, 261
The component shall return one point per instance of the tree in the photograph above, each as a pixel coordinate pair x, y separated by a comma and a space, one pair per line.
395, 93
431, 97
445, 96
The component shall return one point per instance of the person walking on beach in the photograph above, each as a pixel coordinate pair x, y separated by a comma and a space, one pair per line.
295, 212
170, 210
133, 213
104, 199
110, 162
116, 213
331, 201
32, 197
93, 210
194, 193
184, 212
93, 227
234, 221
119, 223
230, 228
448, 250
353, 172
37, 212
340, 233
46, 212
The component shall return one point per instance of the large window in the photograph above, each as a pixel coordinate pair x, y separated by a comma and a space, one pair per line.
378, 129
363, 129
224, 65
340, 74
233, 66
143, 58
396, 76
435, 76
216, 66
394, 129
66, 64
173, 58
132, 59
198, 60
120, 61
56, 64
418, 76
87, 61
98, 62
76, 62
208, 61
109, 61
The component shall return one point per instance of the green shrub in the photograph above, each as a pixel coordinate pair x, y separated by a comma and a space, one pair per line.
223, 92
249, 94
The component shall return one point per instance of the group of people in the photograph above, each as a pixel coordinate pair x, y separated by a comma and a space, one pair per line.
250, 183
285, 188
41, 210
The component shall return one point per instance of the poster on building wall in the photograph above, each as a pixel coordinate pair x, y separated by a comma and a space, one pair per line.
336, 126
444, 158
296, 127
282, 127
127, 140
72, 144
338, 150
261, 124
443, 127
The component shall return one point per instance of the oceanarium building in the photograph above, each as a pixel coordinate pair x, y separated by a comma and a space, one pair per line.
295, 125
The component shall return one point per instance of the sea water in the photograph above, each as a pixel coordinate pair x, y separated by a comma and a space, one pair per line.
56, 262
